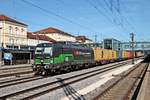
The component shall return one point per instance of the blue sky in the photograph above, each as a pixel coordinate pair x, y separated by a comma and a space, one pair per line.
105, 18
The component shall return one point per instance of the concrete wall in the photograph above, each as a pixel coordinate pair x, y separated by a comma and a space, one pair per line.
34, 42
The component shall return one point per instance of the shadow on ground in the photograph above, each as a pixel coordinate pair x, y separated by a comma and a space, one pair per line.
146, 59
69, 91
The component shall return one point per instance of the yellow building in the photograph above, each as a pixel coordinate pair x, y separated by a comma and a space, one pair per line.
13, 34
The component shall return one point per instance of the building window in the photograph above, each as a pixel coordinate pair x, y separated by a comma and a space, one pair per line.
11, 41
17, 41
17, 30
1, 25
22, 30
10, 29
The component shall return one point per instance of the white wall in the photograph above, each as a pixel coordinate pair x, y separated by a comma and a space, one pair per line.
34, 42
61, 37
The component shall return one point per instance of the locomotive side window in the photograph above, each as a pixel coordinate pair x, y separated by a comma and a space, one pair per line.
38, 50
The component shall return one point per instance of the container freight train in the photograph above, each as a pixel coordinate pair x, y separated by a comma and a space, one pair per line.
57, 57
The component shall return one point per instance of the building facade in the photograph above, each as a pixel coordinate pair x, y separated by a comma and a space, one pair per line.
16, 42
34, 39
12, 33
56, 34
112, 44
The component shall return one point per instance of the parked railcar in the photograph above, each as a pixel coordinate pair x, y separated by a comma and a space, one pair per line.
138, 54
128, 54
98, 55
114, 55
56, 57
124, 55
102, 56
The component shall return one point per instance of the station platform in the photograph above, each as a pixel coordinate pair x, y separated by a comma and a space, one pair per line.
144, 93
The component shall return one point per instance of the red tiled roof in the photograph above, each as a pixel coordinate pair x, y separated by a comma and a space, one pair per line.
5, 18
40, 37
82, 38
53, 30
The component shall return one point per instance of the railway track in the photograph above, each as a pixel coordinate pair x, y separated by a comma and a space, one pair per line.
36, 91
22, 79
127, 86
19, 81
16, 71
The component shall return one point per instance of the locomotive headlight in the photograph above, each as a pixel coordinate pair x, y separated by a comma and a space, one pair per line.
34, 66
42, 60
46, 66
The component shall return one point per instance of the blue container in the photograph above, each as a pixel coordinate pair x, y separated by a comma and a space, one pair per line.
119, 55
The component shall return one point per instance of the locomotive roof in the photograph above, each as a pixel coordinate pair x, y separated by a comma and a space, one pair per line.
64, 43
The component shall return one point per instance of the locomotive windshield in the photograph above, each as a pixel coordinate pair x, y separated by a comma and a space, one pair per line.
44, 48
48, 50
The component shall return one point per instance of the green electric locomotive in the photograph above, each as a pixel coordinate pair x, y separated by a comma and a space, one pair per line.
61, 56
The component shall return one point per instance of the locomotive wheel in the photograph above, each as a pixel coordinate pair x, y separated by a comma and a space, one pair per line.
43, 73
36, 73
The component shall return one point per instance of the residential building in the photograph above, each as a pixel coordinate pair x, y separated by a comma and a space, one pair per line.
56, 34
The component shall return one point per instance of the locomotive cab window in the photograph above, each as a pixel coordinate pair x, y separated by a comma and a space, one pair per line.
48, 50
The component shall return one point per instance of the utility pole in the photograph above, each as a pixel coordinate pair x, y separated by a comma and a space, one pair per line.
132, 46
95, 37
143, 47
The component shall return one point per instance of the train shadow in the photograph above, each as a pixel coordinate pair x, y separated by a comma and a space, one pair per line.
69, 91
146, 59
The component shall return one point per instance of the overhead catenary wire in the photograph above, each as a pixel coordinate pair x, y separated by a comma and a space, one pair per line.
113, 21
57, 15
62, 17
117, 9
101, 13
106, 11
117, 22
120, 21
